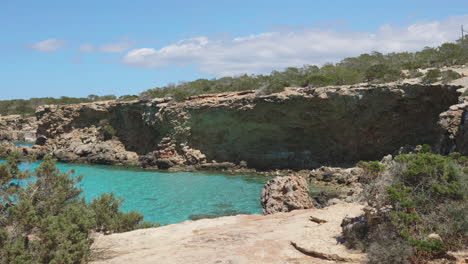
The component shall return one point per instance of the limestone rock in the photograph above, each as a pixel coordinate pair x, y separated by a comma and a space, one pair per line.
300, 128
242, 239
285, 194
453, 125
18, 128
344, 176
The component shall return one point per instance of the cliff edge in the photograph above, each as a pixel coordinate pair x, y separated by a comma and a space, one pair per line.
300, 128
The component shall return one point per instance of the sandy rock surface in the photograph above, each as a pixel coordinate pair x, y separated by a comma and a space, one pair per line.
236, 239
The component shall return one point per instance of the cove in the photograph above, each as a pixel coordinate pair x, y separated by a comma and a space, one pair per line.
168, 198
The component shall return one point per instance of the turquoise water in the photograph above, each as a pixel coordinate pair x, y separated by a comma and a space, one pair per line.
169, 198
24, 144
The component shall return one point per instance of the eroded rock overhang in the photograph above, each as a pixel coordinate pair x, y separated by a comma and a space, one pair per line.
300, 128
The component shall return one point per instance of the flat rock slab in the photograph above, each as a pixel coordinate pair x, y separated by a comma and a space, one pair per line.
235, 240
320, 240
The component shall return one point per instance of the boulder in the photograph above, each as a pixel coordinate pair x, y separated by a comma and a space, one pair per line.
285, 194
41, 140
343, 176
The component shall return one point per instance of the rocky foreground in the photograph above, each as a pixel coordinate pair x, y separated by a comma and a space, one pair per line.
279, 238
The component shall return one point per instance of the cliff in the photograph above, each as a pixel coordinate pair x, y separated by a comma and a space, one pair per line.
300, 128
17, 128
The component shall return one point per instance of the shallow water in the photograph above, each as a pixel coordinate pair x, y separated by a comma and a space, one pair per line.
169, 198
25, 144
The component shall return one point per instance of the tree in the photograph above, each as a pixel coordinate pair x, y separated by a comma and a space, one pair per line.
46, 220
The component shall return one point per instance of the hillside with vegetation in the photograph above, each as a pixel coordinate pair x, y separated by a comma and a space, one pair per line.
28, 107
372, 68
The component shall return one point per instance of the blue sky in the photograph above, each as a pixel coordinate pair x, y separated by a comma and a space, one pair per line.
76, 48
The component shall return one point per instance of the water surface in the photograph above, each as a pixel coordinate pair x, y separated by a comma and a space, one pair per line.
25, 144
170, 197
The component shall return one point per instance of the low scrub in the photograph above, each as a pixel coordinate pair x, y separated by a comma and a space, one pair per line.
45, 219
374, 68
420, 209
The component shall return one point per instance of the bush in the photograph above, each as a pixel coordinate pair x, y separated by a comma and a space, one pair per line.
383, 73
107, 130
432, 76
372, 169
414, 74
386, 247
109, 218
424, 193
47, 220
448, 76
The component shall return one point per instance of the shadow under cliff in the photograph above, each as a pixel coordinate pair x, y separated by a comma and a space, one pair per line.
334, 129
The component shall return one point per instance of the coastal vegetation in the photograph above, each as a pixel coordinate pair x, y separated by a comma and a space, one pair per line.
373, 68
420, 203
28, 107
44, 217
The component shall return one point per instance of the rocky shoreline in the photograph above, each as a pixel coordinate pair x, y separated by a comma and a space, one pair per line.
338, 126
298, 129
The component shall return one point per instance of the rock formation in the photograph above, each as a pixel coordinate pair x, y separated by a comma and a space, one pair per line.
17, 128
245, 239
344, 176
454, 126
300, 128
285, 194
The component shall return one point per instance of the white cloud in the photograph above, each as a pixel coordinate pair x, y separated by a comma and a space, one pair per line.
86, 47
117, 47
276, 50
49, 45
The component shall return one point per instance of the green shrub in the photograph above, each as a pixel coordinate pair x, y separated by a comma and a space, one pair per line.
432, 76
110, 219
425, 148
413, 73
387, 247
47, 220
383, 73
128, 97
107, 130
372, 169
450, 75
425, 193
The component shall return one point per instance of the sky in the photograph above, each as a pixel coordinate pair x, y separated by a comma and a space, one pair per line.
76, 48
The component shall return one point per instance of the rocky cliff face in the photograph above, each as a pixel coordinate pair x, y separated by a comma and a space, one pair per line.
300, 128
17, 128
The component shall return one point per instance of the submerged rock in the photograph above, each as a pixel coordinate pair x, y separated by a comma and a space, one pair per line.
285, 194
